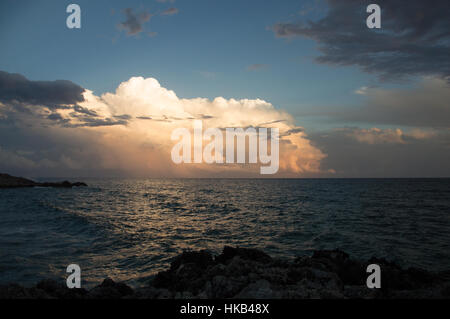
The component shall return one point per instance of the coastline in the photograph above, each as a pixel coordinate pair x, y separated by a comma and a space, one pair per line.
241, 273
8, 181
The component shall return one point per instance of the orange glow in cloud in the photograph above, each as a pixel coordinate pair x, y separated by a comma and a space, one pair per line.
143, 146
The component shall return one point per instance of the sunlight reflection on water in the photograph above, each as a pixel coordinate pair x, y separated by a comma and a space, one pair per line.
130, 229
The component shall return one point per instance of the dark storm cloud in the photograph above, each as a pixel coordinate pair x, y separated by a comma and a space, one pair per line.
169, 119
271, 122
15, 88
55, 117
97, 122
123, 117
413, 40
36, 103
134, 22
164, 118
294, 131
83, 110
205, 117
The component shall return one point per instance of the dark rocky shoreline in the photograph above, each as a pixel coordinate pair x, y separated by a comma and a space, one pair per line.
251, 274
8, 181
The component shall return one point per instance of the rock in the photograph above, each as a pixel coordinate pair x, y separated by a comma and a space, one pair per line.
221, 287
65, 184
201, 259
15, 291
360, 292
60, 291
249, 273
109, 289
244, 253
151, 292
184, 295
237, 265
45, 289
395, 278
258, 290
8, 181
445, 292
349, 271
164, 294
185, 273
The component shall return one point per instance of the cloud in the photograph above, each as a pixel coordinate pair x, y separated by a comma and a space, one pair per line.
205, 117
84, 110
362, 90
55, 116
123, 117
145, 98
49, 103
53, 94
170, 11
97, 122
134, 23
127, 133
385, 136
208, 74
358, 152
413, 39
257, 67
424, 105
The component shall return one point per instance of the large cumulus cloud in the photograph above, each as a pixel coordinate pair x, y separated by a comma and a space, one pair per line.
127, 132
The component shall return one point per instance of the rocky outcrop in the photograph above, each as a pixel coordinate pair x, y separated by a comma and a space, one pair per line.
249, 273
8, 181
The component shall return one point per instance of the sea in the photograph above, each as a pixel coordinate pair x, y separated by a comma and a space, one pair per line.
130, 229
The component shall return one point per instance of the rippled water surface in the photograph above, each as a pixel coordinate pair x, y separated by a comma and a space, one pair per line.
130, 229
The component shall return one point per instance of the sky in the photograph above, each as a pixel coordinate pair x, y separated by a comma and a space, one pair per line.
349, 101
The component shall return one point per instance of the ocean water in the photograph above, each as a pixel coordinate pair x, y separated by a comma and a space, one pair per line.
130, 229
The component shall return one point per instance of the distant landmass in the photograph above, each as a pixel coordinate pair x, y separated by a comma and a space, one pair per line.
8, 181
